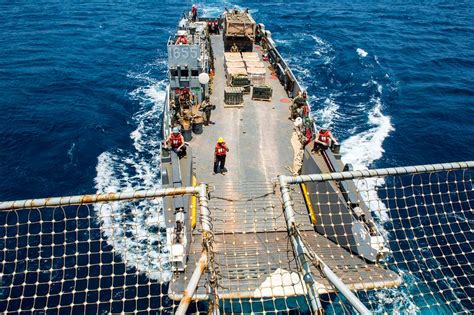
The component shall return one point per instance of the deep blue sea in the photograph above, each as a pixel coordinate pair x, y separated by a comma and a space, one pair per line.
82, 84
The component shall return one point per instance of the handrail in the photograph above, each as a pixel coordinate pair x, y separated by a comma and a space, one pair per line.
381, 172
88, 199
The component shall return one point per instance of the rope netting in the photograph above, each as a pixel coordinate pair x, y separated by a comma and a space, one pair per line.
427, 223
400, 243
254, 262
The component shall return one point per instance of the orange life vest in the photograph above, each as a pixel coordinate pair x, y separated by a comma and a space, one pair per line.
182, 40
176, 140
221, 150
323, 136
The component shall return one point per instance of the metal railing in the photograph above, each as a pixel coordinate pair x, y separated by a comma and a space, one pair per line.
42, 205
429, 205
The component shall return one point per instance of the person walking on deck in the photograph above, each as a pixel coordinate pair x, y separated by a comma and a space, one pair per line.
220, 154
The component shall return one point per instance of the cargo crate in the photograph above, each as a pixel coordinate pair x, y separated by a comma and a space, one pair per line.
233, 97
235, 64
256, 75
262, 93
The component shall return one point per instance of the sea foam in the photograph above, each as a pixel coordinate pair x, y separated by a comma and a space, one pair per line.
362, 52
135, 229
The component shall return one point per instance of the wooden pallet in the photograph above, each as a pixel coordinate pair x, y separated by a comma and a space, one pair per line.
233, 105
262, 99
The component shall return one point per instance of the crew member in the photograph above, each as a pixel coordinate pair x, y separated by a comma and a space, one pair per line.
213, 28
182, 40
175, 142
234, 48
194, 12
207, 107
296, 108
258, 36
324, 140
220, 153
185, 99
175, 113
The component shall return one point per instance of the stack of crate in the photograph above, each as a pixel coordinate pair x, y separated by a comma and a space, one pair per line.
236, 73
255, 68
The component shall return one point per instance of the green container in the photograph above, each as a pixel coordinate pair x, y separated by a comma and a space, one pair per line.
242, 81
233, 95
262, 92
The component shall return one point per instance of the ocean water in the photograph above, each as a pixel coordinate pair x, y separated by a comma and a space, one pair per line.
82, 85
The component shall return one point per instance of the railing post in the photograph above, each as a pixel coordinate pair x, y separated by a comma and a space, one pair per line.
337, 282
297, 245
301, 253
207, 258
192, 284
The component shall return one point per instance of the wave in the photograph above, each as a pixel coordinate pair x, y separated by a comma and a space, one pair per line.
211, 10
328, 113
362, 53
136, 229
364, 148
70, 152
323, 49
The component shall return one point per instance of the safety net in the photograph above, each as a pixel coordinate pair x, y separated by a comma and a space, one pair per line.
400, 242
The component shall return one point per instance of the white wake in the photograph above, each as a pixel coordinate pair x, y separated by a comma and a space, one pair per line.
135, 229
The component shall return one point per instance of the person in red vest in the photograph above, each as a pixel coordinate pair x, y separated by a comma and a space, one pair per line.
175, 142
182, 40
220, 153
324, 140
194, 12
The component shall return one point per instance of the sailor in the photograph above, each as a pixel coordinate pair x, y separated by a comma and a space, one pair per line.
194, 12
175, 142
220, 153
296, 108
185, 100
324, 140
182, 38
176, 119
258, 36
234, 48
207, 107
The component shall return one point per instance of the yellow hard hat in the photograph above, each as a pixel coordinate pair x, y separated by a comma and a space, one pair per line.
220, 140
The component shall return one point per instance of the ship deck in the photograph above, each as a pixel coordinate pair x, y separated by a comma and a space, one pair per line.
251, 241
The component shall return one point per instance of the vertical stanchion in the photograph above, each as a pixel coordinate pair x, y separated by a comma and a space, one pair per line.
296, 242
301, 253
207, 258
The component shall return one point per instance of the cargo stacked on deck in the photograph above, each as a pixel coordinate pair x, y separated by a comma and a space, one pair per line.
250, 56
233, 96
262, 93
255, 68
239, 28
236, 72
